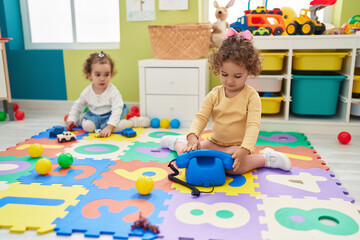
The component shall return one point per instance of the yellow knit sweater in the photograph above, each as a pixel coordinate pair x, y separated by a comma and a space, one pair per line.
235, 121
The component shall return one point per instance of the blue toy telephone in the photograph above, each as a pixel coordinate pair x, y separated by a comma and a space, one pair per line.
204, 168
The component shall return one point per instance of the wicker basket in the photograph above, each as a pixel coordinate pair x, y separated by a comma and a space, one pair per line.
180, 41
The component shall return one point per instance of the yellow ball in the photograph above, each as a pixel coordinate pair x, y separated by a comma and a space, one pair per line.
144, 185
43, 166
35, 150
164, 123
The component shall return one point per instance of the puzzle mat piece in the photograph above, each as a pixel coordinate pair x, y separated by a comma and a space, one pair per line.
81, 172
112, 211
234, 184
155, 134
35, 206
302, 157
51, 147
123, 175
216, 216
303, 218
291, 139
149, 151
78, 131
12, 167
116, 136
98, 149
313, 182
3, 185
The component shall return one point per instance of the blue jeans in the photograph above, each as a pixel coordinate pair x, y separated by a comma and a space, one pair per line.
100, 121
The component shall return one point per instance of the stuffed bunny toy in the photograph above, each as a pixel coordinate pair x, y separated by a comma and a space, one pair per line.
220, 26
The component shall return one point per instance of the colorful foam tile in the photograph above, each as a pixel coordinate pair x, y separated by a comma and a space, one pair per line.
234, 184
12, 167
302, 157
276, 139
124, 174
78, 131
112, 211
81, 172
298, 182
302, 218
149, 151
35, 206
51, 147
216, 216
155, 134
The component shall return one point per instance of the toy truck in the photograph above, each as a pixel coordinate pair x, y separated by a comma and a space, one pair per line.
304, 25
66, 137
253, 22
128, 132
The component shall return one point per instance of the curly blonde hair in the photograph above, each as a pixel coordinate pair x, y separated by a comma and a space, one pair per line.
238, 50
101, 58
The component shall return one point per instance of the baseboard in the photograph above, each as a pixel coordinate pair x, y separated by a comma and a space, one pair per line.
51, 105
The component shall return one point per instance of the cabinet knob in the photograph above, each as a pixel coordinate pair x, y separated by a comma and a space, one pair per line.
171, 108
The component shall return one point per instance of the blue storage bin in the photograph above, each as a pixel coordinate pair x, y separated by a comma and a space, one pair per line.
315, 93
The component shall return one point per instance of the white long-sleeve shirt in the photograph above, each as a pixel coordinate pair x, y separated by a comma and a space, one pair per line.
109, 100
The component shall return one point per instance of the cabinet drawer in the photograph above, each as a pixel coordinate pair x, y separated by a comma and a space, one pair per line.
183, 108
182, 81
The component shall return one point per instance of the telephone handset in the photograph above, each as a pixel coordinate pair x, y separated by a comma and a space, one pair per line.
205, 167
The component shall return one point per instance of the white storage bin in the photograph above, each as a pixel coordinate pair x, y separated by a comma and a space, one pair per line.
355, 107
266, 83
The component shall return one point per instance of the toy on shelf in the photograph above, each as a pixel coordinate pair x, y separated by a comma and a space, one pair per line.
35, 150
344, 137
144, 185
220, 26
43, 166
128, 132
274, 23
134, 112
204, 168
56, 130
65, 160
66, 137
261, 32
145, 224
353, 23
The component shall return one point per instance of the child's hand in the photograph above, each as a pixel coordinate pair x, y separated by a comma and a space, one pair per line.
193, 143
239, 155
69, 125
106, 132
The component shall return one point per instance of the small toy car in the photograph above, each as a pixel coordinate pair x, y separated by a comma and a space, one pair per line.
276, 11
261, 31
128, 132
66, 137
56, 130
259, 9
97, 132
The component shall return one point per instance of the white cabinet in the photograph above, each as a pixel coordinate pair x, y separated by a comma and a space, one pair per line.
286, 120
172, 88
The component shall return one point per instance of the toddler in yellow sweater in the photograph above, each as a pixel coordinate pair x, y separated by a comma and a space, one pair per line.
235, 110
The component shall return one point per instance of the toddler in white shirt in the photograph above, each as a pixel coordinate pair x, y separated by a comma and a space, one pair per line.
106, 109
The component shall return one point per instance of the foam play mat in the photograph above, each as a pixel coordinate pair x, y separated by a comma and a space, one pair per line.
97, 194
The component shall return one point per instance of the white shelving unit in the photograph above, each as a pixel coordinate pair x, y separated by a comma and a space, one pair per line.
287, 121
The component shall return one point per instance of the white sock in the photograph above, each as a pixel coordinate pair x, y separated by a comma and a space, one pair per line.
170, 141
124, 123
88, 125
140, 121
274, 159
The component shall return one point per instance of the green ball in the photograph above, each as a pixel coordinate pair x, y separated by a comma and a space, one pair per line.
2, 116
65, 160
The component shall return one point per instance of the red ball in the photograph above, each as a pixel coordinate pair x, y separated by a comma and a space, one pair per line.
15, 107
66, 117
19, 115
344, 137
135, 109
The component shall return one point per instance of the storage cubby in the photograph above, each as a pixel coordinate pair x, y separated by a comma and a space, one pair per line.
317, 50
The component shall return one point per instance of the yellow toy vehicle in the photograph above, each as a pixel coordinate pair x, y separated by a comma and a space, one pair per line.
354, 22
259, 9
304, 25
